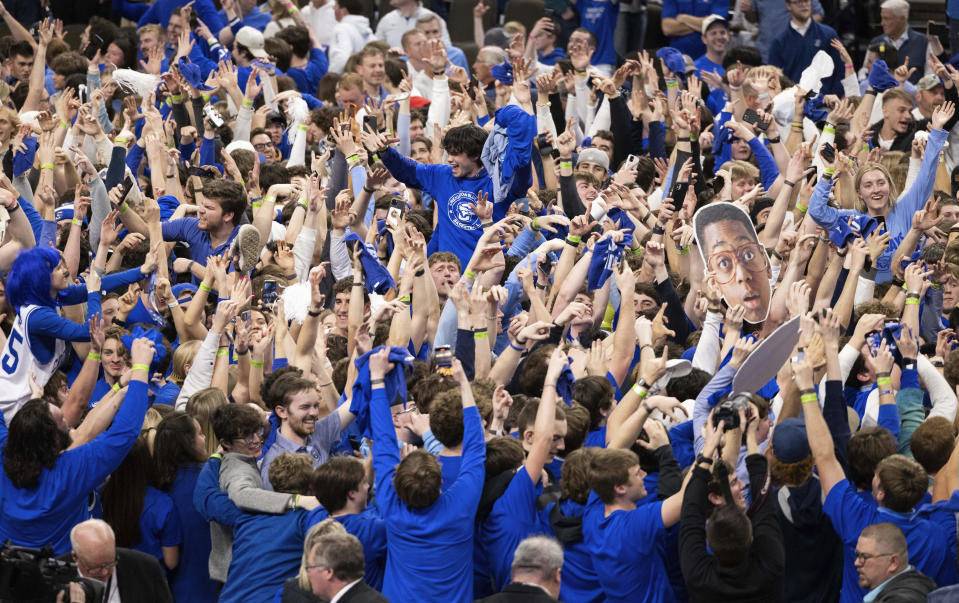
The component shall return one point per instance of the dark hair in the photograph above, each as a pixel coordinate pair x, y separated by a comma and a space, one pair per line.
285, 387
20, 49
608, 468
271, 173
446, 418
468, 139
747, 55
577, 428
867, 448
903, 482
298, 38
593, 40
574, 481
230, 195
291, 473
69, 63
173, 448
335, 479
234, 421
353, 7
34, 442
418, 479
596, 394
281, 52
503, 453
729, 532
125, 492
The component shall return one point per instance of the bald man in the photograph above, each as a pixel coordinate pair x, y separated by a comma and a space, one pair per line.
131, 576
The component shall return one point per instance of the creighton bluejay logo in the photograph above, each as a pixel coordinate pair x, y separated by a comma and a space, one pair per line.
460, 211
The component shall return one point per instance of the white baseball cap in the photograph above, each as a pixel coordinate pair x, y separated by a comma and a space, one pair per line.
711, 19
252, 39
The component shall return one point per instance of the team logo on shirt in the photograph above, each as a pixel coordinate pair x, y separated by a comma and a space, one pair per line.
459, 209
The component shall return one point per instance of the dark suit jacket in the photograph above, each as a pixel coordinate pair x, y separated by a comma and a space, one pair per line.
914, 47
361, 592
515, 592
140, 578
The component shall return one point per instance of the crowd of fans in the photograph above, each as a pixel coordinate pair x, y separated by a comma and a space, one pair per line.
308, 303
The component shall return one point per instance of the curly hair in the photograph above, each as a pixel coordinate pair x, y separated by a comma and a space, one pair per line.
33, 444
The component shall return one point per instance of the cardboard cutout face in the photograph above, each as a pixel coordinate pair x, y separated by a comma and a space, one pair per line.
731, 250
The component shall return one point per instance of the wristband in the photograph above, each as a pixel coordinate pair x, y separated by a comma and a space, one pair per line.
884, 381
683, 250
788, 182
797, 124
572, 243
47, 166
176, 97
810, 390
849, 66
515, 347
469, 274
303, 203
64, 124
76, 222
672, 84
377, 381
222, 352
173, 304
269, 199
574, 240
247, 103
205, 287
639, 391
123, 207
806, 398
912, 301
116, 387
776, 255
314, 314
802, 208
885, 392
352, 158
294, 500
486, 225
911, 294
405, 299
535, 225
830, 171
93, 356
938, 363
257, 204
828, 129
358, 285
638, 251
658, 230
776, 140
140, 367
702, 458
484, 334
565, 165
256, 363
368, 190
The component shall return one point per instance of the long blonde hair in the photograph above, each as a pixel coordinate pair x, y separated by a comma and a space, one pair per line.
181, 357
200, 406
893, 189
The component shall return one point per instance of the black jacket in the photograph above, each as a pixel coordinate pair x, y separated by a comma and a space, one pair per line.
908, 587
514, 592
760, 577
140, 578
361, 592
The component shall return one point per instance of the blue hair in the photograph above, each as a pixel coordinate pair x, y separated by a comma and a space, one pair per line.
28, 281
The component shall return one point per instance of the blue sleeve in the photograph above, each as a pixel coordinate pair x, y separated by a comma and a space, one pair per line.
147, 15
210, 502
134, 157
130, 10
849, 513
520, 131
670, 9
657, 139
909, 378
524, 243
914, 199
186, 150
430, 443
385, 449
318, 65
889, 418
175, 230
825, 216
469, 483
46, 322
22, 162
208, 151
768, 170
96, 460
33, 216
311, 101
76, 294
48, 234
207, 13
705, 402
403, 169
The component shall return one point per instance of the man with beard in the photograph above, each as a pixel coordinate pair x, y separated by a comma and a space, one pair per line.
296, 404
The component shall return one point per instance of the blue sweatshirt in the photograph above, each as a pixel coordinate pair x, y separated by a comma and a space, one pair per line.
430, 550
899, 220
46, 514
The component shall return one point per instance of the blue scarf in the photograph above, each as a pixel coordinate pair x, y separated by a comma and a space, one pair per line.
812, 109
394, 382
880, 79
674, 61
564, 385
378, 279
606, 254
159, 350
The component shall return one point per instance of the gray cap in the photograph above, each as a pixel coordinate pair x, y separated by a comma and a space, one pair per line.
594, 156
928, 82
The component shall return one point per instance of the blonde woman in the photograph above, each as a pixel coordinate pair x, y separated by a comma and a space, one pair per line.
182, 359
877, 197
200, 406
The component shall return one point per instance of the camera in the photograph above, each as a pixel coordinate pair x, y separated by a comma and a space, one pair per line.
37, 576
728, 411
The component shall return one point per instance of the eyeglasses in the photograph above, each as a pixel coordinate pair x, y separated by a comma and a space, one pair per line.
750, 256
263, 146
100, 569
254, 439
864, 557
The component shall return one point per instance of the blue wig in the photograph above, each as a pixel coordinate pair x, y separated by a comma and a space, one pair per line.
28, 281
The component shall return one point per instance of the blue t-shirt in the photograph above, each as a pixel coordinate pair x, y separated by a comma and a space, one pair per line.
512, 519
692, 43
159, 524
626, 552
258, 19
190, 581
308, 78
596, 437
370, 529
188, 230
550, 58
599, 17
704, 63
451, 469
580, 581
850, 513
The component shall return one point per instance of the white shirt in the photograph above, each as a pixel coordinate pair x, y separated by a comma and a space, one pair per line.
344, 590
800, 29
393, 25
898, 42
319, 20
